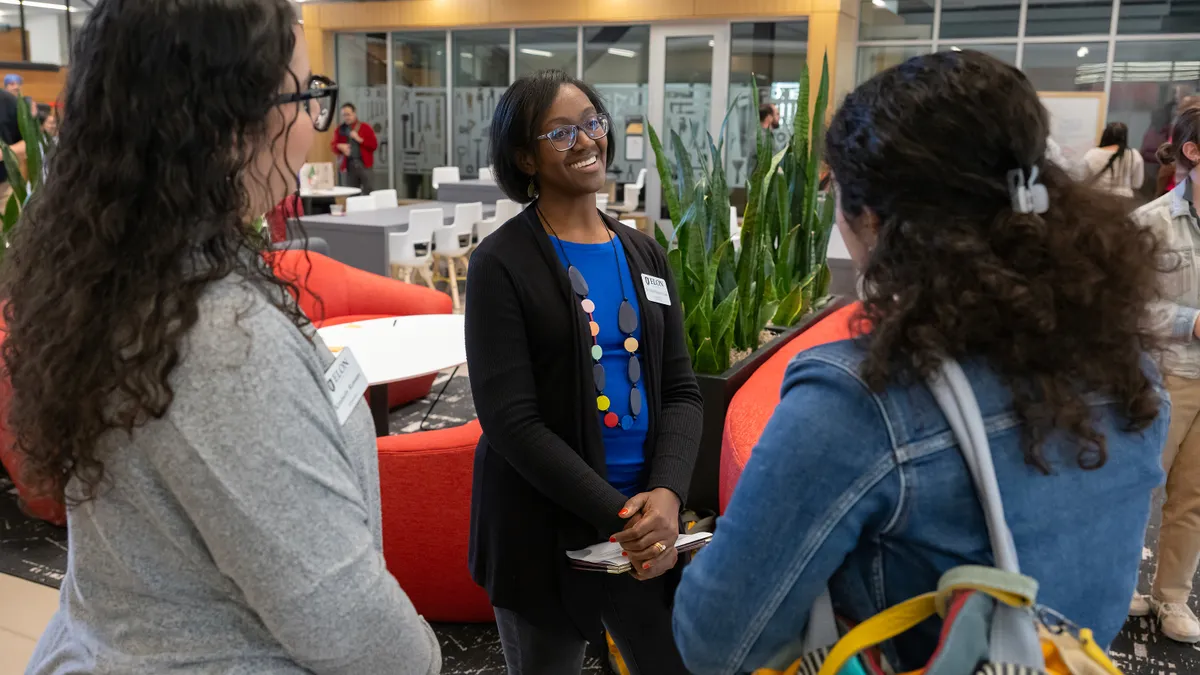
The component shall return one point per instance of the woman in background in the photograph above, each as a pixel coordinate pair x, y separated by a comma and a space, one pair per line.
223, 518
590, 410
1113, 166
1172, 219
857, 483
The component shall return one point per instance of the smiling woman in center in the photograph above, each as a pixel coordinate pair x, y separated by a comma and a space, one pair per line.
590, 411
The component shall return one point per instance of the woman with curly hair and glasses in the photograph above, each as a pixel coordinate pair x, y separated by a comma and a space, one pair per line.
224, 517
1041, 293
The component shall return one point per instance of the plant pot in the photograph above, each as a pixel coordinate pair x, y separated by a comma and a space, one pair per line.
717, 391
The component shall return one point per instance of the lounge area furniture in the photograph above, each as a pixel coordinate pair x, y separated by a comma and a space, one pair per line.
332, 293
754, 403
425, 484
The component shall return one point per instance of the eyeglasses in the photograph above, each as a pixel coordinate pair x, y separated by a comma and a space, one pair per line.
563, 138
320, 97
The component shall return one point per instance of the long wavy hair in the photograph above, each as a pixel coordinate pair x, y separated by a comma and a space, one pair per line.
147, 201
1054, 302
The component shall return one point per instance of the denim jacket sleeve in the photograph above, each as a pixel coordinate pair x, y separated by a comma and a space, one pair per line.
822, 477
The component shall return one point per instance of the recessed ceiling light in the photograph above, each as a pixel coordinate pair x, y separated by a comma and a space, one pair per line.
1083, 51
40, 5
879, 3
627, 53
536, 52
956, 49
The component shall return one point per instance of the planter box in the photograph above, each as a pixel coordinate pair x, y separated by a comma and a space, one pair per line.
717, 391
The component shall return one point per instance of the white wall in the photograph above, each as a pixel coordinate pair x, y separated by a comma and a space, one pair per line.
47, 37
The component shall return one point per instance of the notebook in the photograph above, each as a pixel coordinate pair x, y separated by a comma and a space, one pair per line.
606, 557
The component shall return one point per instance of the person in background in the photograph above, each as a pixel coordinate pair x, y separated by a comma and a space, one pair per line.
768, 117
355, 144
590, 410
50, 125
1172, 219
1170, 175
10, 135
13, 84
224, 516
857, 484
1114, 166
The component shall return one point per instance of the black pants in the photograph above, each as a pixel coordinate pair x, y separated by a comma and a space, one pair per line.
356, 175
637, 615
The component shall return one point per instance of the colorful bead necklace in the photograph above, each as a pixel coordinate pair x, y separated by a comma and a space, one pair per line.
627, 322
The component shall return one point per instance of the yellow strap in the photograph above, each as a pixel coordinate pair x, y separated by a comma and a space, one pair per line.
1095, 652
883, 626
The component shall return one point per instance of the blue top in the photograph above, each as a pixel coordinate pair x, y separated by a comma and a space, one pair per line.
868, 493
624, 449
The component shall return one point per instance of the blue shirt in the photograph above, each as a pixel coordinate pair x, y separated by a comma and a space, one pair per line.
624, 449
868, 494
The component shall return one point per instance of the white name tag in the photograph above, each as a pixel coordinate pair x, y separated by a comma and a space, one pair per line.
345, 384
656, 290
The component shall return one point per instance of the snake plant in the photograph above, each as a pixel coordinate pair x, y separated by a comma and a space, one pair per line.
778, 273
23, 182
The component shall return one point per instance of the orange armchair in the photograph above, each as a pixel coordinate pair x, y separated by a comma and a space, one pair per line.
425, 484
753, 404
333, 293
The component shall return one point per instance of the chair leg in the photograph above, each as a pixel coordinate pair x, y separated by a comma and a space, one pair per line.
408, 275
427, 272
453, 282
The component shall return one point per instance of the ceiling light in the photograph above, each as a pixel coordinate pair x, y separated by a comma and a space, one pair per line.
712, 43
466, 55
1083, 51
536, 52
40, 5
627, 53
956, 49
879, 3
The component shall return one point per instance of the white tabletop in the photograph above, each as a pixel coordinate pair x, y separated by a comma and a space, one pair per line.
403, 347
329, 193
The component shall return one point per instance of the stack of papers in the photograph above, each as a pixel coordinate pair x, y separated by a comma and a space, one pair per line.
606, 557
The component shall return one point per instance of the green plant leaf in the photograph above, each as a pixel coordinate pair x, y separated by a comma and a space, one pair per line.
686, 185
664, 177
675, 260
724, 126
800, 125
35, 141
706, 358
661, 237
718, 201
790, 308
816, 148
13, 165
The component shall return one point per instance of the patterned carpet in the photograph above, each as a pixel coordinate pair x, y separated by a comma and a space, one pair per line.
37, 551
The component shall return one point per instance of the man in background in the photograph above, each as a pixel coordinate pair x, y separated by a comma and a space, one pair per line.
10, 134
12, 83
768, 116
355, 144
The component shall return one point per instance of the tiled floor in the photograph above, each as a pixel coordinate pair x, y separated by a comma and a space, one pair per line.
25, 609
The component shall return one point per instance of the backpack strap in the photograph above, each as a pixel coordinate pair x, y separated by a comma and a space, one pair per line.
1013, 636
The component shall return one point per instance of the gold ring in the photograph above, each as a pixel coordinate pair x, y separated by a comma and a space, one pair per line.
659, 547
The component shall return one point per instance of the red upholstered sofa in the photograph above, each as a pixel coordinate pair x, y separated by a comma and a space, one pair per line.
754, 403
38, 506
425, 480
347, 294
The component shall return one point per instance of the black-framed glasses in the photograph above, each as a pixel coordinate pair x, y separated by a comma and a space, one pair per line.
563, 138
320, 98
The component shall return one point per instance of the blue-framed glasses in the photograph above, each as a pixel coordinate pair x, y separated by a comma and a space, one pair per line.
563, 138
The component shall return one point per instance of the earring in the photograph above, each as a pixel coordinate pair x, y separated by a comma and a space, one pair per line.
531, 191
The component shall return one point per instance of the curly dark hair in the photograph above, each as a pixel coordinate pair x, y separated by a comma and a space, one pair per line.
146, 202
1055, 302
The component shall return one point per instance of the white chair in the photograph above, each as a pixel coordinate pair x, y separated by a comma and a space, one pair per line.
385, 199
445, 174
413, 250
633, 193
453, 242
630, 223
362, 203
506, 209
485, 173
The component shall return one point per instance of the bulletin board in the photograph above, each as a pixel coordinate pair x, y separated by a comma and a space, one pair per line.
1076, 120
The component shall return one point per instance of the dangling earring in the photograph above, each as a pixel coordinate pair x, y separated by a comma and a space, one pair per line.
531, 191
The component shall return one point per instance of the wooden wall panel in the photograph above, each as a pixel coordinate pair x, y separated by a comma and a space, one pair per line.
10, 45
711, 9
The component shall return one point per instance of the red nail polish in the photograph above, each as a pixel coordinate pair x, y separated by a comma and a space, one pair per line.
624, 554
646, 566
623, 512
612, 540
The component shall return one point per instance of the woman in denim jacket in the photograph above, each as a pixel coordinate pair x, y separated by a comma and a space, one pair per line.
857, 483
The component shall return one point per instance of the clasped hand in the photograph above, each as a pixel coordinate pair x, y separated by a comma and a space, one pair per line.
653, 518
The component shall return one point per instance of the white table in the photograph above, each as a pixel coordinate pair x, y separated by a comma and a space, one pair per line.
397, 349
329, 193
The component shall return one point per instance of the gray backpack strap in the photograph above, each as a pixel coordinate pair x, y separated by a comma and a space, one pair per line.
1014, 638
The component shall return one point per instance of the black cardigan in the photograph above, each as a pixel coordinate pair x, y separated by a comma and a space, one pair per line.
540, 484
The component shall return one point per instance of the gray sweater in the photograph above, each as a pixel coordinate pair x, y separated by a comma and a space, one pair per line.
241, 533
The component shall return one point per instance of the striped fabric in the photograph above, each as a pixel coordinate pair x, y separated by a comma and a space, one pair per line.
1007, 669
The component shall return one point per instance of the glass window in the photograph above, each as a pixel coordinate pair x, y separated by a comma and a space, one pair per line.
1066, 66
362, 80
1006, 53
420, 110
896, 20
976, 19
1148, 81
480, 79
775, 52
616, 61
1139, 17
1069, 17
873, 60
541, 48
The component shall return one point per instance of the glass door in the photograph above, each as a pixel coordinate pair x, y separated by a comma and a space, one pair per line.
689, 79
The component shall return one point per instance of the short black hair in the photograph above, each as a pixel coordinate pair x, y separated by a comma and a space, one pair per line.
764, 111
350, 106
515, 126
